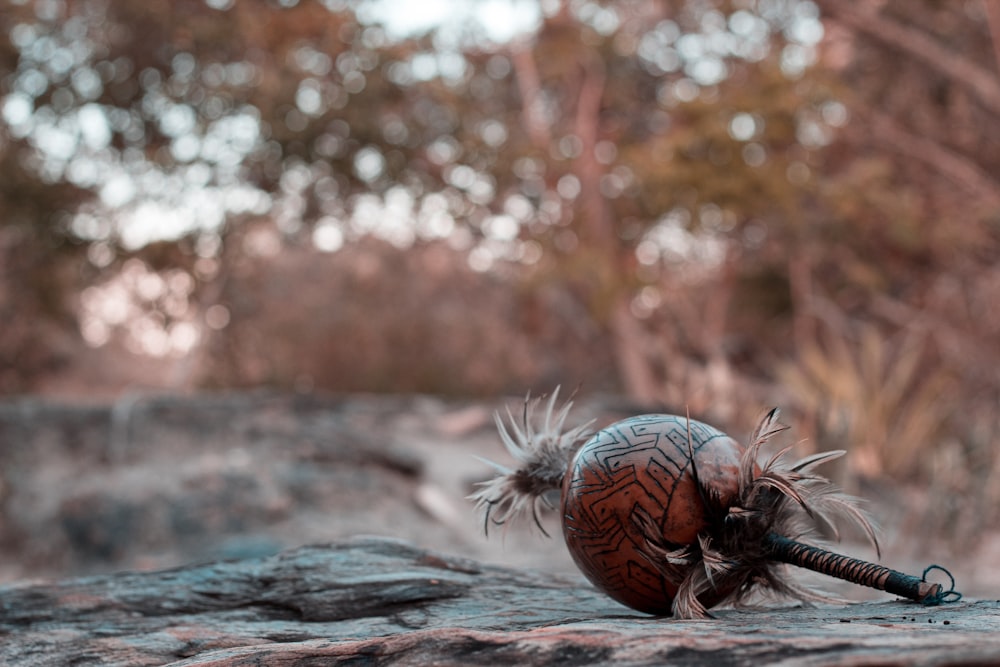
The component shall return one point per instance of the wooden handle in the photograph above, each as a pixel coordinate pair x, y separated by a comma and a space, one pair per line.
853, 570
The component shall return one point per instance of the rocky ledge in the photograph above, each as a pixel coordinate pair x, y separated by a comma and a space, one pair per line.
385, 602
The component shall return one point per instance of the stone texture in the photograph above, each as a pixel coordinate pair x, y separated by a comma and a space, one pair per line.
386, 602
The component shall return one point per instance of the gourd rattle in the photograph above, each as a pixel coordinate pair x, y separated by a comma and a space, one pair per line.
668, 515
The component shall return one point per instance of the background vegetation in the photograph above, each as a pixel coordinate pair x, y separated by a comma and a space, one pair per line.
704, 203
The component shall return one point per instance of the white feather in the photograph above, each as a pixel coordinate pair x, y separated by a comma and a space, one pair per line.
541, 454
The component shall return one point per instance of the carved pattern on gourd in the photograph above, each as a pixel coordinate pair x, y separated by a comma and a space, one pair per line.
641, 462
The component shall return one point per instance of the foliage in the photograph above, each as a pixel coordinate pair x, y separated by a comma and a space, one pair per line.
698, 185
875, 396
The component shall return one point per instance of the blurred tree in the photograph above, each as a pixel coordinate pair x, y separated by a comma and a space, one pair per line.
702, 178
562, 151
39, 259
920, 84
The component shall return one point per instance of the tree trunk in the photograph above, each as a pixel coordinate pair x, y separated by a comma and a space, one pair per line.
634, 365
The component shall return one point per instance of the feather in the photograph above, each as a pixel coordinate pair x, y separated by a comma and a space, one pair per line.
658, 550
769, 427
810, 462
716, 564
541, 448
830, 504
783, 485
776, 457
789, 499
503, 470
687, 603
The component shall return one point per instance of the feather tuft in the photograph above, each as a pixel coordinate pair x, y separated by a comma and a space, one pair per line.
730, 562
542, 448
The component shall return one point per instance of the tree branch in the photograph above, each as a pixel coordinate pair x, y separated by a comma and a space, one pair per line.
529, 85
992, 10
979, 80
595, 212
957, 168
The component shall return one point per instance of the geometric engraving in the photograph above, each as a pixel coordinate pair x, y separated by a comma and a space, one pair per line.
641, 464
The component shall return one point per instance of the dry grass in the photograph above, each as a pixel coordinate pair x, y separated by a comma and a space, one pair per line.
910, 428
880, 397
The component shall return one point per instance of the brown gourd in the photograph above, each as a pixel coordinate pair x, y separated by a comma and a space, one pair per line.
643, 465
669, 515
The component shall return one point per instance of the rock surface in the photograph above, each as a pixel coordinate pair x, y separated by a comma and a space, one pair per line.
157, 482
385, 602
153, 481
